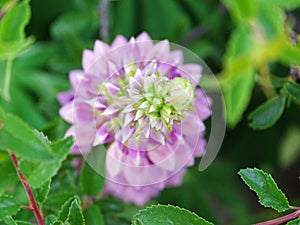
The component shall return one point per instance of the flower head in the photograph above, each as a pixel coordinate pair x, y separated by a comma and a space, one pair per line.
142, 101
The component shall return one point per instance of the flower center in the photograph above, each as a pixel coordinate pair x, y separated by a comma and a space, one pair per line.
150, 103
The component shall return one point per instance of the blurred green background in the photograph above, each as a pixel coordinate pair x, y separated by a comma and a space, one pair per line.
62, 29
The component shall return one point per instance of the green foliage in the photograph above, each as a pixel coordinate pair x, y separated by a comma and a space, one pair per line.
267, 114
71, 212
246, 51
9, 221
41, 193
93, 216
238, 95
162, 214
39, 173
75, 215
18, 137
91, 181
8, 206
259, 38
18, 17
265, 187
12, 41
293, 90
294, 222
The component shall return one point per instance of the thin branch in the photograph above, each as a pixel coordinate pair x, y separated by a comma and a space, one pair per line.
281, 219
32, 203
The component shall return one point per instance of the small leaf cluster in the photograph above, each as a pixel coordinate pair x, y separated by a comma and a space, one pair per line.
259, 43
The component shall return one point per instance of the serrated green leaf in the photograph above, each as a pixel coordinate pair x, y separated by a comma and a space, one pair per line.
56, 200
268, 113
12, 25
64, 211
167, 214
42, 192
75, 215
294, 222
265, 187
46, 170
8, 206
19, 138
90, 180
50, 219
93, 216
293, 89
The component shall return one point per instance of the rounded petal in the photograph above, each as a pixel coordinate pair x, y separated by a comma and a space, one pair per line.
163, 156
87, 59
66, 112
114, 160
118, 41
65, 97
191, 72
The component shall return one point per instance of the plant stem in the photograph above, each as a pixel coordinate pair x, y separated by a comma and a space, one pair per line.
281, 219
32, 203
104, 29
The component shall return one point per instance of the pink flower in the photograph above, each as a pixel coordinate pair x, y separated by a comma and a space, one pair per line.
141, 100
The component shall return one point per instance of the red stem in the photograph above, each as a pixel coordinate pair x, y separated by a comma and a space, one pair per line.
32, 203
281, 220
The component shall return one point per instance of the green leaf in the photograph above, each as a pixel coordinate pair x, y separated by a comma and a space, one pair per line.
90, 180
12, 48
286, 4
8, 175
294, 222
268, 113
241, 10
45, 171
12, 25
93, 216
167, 214
50, 219
265, 187
64, 211
237, 94
293, 89
8, 206
57, 223
18, 137
290, 54
9, 221
56, 200
23, 223
75, 215
23, 106
42, 192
